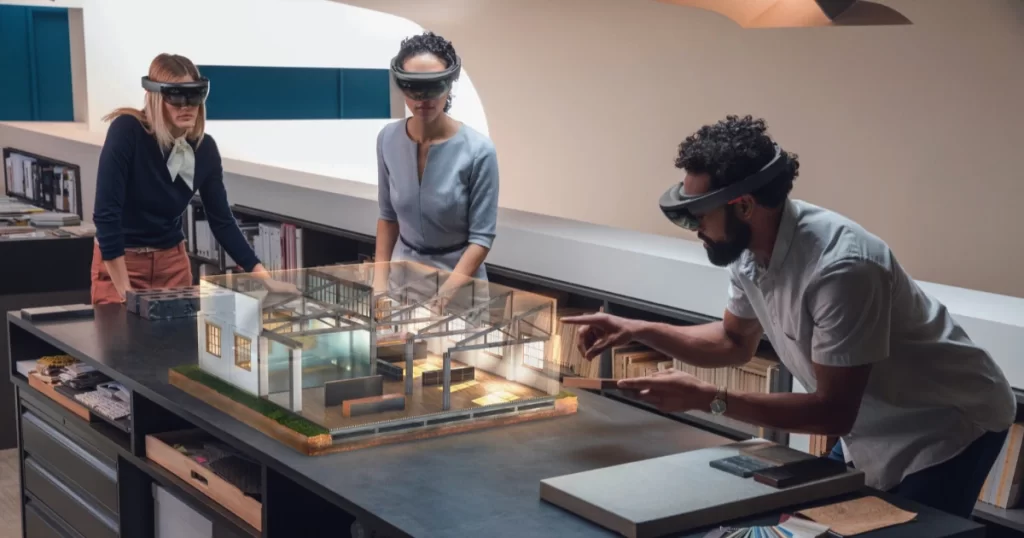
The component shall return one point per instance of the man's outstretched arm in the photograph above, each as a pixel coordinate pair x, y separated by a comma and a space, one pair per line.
729, 342
850, 304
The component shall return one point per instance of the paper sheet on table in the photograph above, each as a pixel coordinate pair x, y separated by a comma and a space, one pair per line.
858, 516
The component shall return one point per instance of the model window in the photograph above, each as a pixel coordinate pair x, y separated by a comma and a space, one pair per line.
533, 355
457, 324
212, 339
243, 352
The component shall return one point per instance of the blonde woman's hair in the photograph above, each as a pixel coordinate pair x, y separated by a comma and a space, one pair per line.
165, 68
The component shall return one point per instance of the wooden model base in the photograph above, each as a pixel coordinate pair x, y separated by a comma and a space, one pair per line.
564, 404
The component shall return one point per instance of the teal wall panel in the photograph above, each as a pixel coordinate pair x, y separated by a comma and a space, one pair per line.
35, 63
52, 45
296, 93
16, 81
366, 93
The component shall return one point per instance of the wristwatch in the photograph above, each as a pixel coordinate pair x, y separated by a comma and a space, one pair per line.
718, 405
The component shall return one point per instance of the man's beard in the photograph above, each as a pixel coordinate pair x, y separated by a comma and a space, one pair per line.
737, 233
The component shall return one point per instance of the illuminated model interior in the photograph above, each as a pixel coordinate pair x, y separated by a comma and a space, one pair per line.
423, 350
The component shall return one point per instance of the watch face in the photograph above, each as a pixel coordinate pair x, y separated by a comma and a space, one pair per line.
717, 407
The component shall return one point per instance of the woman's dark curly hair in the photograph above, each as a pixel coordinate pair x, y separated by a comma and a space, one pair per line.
733, 149
432, 43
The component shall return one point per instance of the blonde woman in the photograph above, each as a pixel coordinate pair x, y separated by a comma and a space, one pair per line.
152, 163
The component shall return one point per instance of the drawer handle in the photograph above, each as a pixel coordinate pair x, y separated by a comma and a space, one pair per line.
199, 478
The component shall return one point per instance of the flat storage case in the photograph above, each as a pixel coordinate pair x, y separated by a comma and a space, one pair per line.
160, 450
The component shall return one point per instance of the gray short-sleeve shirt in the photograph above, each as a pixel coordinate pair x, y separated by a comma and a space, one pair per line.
456, 202
835, 295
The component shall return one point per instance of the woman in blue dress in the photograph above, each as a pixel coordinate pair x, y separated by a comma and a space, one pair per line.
437, 177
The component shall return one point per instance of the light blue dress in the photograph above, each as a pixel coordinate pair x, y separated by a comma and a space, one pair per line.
455, 204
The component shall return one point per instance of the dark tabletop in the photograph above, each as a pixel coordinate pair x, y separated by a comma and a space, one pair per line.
487, 481
483, 483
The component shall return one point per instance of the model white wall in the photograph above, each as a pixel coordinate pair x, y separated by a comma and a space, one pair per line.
234, 313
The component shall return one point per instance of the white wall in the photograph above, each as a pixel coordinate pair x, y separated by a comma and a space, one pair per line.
911, 130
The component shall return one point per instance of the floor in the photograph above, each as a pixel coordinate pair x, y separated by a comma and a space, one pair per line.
10, 507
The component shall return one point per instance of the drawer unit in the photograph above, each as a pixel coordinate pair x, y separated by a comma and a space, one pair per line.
87, 518
72, 463
40, 522
82, 432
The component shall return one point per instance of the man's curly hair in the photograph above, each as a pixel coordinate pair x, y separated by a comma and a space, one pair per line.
432, 43
733, 149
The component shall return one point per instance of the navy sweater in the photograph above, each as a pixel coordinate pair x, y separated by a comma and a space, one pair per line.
137, 204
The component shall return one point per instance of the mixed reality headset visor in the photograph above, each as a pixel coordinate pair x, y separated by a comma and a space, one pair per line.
180, 94
424, 86
685, 211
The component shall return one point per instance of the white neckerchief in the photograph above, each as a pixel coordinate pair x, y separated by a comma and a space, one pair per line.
182, 161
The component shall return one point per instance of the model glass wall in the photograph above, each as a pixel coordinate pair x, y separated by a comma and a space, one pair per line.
365, 343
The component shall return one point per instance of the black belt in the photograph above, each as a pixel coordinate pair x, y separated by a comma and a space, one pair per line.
434, 251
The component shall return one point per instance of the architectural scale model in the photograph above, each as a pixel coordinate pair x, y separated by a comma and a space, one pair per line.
339, 365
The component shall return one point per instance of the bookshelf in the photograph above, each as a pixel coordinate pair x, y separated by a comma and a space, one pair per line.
317, 244
45, 182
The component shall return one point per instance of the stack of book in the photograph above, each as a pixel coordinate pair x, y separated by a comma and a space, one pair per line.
754, 376
52, 219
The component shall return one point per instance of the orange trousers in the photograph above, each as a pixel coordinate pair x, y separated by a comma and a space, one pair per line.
147, 269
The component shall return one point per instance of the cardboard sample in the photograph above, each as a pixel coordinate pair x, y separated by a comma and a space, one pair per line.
858, 516
680, 492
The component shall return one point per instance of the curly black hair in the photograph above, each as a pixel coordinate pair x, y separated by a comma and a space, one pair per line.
431, 43
733, 149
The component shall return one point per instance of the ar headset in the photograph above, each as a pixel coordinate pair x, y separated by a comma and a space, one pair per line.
685, 211
424, 86
180, 94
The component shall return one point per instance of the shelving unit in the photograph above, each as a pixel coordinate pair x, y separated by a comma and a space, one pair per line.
47, 183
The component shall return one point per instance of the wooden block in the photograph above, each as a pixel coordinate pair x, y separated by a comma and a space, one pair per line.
391, 371
460, 374
373, 404
590, 383
395, 350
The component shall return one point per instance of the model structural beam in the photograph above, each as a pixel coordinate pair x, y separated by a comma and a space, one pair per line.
311, 360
